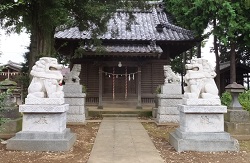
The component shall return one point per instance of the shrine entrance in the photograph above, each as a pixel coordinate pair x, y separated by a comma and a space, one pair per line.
119, 83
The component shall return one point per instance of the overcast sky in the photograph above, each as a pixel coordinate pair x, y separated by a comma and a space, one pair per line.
14, 46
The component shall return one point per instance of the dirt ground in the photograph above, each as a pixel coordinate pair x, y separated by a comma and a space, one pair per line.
159, 134
78, 154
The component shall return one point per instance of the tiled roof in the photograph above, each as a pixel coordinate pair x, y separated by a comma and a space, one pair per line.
227, 64
139, 48
142, 29
224, 65
12, 65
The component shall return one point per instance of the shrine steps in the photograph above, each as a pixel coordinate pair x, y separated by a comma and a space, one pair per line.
109, 111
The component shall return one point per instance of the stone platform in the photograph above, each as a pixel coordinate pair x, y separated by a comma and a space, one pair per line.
76, 99
202, 129
13, 124
42, 141
168, 100
44, 127
237, 123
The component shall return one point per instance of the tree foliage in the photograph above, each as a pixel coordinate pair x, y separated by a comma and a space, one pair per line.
230, 19
244, 99
41, 18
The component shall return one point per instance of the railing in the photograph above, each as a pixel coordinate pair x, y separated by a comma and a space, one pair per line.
95, 100
148, 100
92, 100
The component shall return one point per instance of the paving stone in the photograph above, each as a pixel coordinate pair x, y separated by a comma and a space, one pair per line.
123, 140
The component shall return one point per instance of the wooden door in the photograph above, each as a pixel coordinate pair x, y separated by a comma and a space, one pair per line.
117, 84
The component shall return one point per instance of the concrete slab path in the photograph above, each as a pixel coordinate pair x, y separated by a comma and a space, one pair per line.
123, 140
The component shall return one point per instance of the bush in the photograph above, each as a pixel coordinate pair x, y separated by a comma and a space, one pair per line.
226, 98
3, 96
244, 99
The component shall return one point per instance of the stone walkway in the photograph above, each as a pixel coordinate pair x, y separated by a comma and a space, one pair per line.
123, 140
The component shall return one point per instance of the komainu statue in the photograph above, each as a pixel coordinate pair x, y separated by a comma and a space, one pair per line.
73, 76
200, 80
47, 79
170, 76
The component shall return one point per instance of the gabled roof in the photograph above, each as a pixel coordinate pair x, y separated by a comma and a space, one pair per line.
12, 65
226, 66
142, 29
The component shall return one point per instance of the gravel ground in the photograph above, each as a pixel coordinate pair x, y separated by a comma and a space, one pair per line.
159, 134
78, 154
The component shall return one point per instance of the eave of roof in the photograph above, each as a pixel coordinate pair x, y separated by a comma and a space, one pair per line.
226, 65
125, 50
12, 65
143, 29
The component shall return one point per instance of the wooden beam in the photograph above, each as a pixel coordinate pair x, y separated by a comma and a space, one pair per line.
139, 88
100, 106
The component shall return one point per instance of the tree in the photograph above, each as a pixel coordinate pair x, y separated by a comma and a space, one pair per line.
41, 18
230, 20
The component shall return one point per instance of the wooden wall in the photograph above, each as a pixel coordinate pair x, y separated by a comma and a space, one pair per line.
90, 78
152, 76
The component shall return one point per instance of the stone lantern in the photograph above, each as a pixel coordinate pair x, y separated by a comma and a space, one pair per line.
235, 89
237, 120
9, 111
4, 86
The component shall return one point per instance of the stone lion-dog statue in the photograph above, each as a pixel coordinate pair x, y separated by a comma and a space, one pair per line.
170, 76
47, 79
73, 76
200, 80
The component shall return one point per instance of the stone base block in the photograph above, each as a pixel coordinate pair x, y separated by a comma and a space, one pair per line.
44, 101
171, 89
154, 112
167, 118
71, 118
168, 110
201, 102
44, 122
202, 118
77, 95
203, 142
11, 112
75, 101
42, 141
72, 88
236, 128
240, 116
169, 102
43, 108
11, 126
202, 135
76, 110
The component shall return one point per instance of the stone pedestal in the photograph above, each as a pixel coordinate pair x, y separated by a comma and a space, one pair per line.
44, 127
202, 129
168, 100
76, 99
237, 123
13, 124
237, 120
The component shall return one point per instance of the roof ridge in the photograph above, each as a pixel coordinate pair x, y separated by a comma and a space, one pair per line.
167, 24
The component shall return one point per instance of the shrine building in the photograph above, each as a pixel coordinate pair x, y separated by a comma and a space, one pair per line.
128, 66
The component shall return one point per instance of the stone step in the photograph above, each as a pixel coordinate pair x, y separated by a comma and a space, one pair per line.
119, 115
213, 145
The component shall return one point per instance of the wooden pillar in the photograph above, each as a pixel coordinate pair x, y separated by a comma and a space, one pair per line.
139, 88
248, 81
168, 57
100, 106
